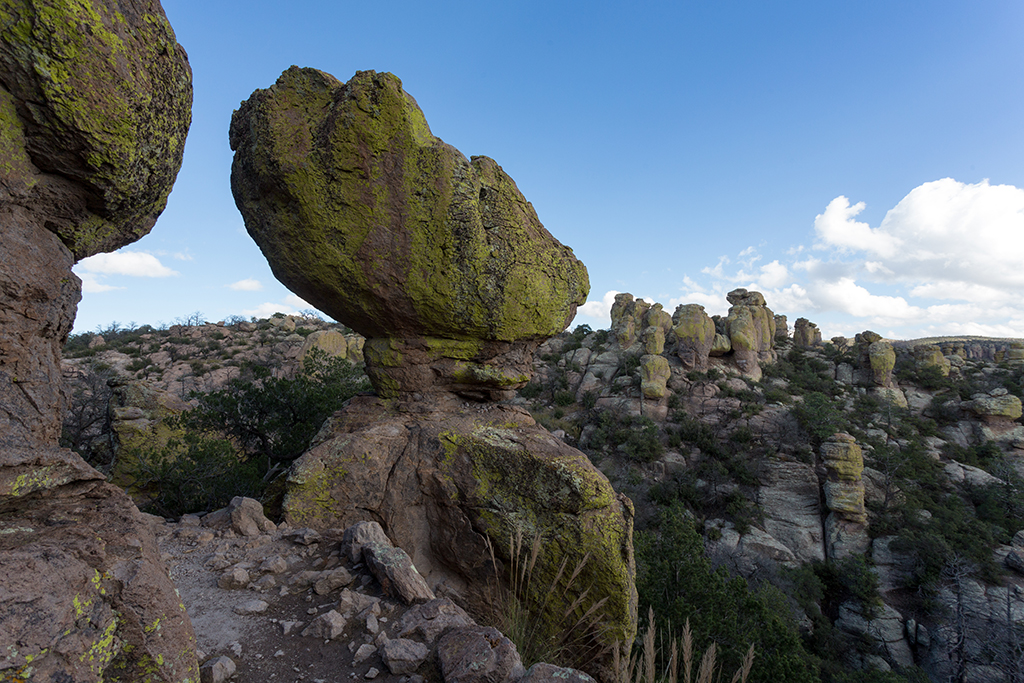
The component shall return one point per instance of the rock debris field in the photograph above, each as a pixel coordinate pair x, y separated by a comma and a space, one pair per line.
275, 603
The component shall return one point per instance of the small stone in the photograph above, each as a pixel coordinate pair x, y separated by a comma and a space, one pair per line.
289, 627
327, 626
274, 565
304, 536
236, 648
217, 670
251, 607
279, 653
371, 674
234, 579
403, 656
332, 580
371, 624
364, 652
265, 583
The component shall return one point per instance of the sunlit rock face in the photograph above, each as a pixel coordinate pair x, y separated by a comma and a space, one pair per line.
437, 259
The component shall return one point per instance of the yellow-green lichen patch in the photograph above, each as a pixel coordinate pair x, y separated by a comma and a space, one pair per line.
36, 479
523, 484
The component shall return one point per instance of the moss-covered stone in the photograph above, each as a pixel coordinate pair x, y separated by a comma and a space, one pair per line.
104, 101
882, 358
654, 375
695, 335
445, 483
844, 465
365, 214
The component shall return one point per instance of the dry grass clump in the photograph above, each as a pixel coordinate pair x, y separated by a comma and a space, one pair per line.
642, 666
523, 613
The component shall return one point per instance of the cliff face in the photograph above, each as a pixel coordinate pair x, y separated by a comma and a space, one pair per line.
94, 108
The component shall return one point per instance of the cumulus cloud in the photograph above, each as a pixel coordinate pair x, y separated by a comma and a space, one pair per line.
600, 310
246, 285
130, 263
292, 305
91, 285
945, 260
837, 229
269, 308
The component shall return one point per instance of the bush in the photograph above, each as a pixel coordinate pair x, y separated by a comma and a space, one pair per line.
272, 418
820, 416
194, 474
564, 398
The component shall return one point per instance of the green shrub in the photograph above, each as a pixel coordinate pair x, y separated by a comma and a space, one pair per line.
564, 398
195, 474
820, 416
274, 418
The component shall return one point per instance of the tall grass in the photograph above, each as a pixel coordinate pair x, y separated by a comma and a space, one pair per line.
543, 620
642, 665
527, 615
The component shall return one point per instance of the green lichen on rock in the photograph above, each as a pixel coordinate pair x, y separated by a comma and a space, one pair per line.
365, 214
104, 98
883, 359
654, 375
569, 505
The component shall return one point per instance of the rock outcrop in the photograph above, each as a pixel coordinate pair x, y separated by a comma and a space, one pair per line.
805, 333
751, 326
94, 107
438, 260
846, 524
695, 335
443, 265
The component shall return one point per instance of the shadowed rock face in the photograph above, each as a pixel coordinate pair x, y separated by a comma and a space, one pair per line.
95, 103
437, 259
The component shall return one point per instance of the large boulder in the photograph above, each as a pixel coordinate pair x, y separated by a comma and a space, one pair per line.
751, 327
449, 482
695, 334
95, 101
437, 259
846, 524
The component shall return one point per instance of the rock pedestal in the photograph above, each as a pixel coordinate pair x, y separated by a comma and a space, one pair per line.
846, 524
751, 326
438, 260
442, 264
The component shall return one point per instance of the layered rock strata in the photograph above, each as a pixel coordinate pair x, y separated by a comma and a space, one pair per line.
94, 106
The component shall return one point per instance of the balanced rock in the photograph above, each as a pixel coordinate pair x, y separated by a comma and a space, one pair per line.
751, 327
438, 260
695, 335
806, 333
95, 101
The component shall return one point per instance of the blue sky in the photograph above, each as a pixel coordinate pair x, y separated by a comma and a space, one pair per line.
861, 163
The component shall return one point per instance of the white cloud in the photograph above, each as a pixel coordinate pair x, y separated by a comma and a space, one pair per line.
292, 305
837, 229
265, 310
599, 310
91, 285
297, 302
247, 285
131, 263
773, 275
